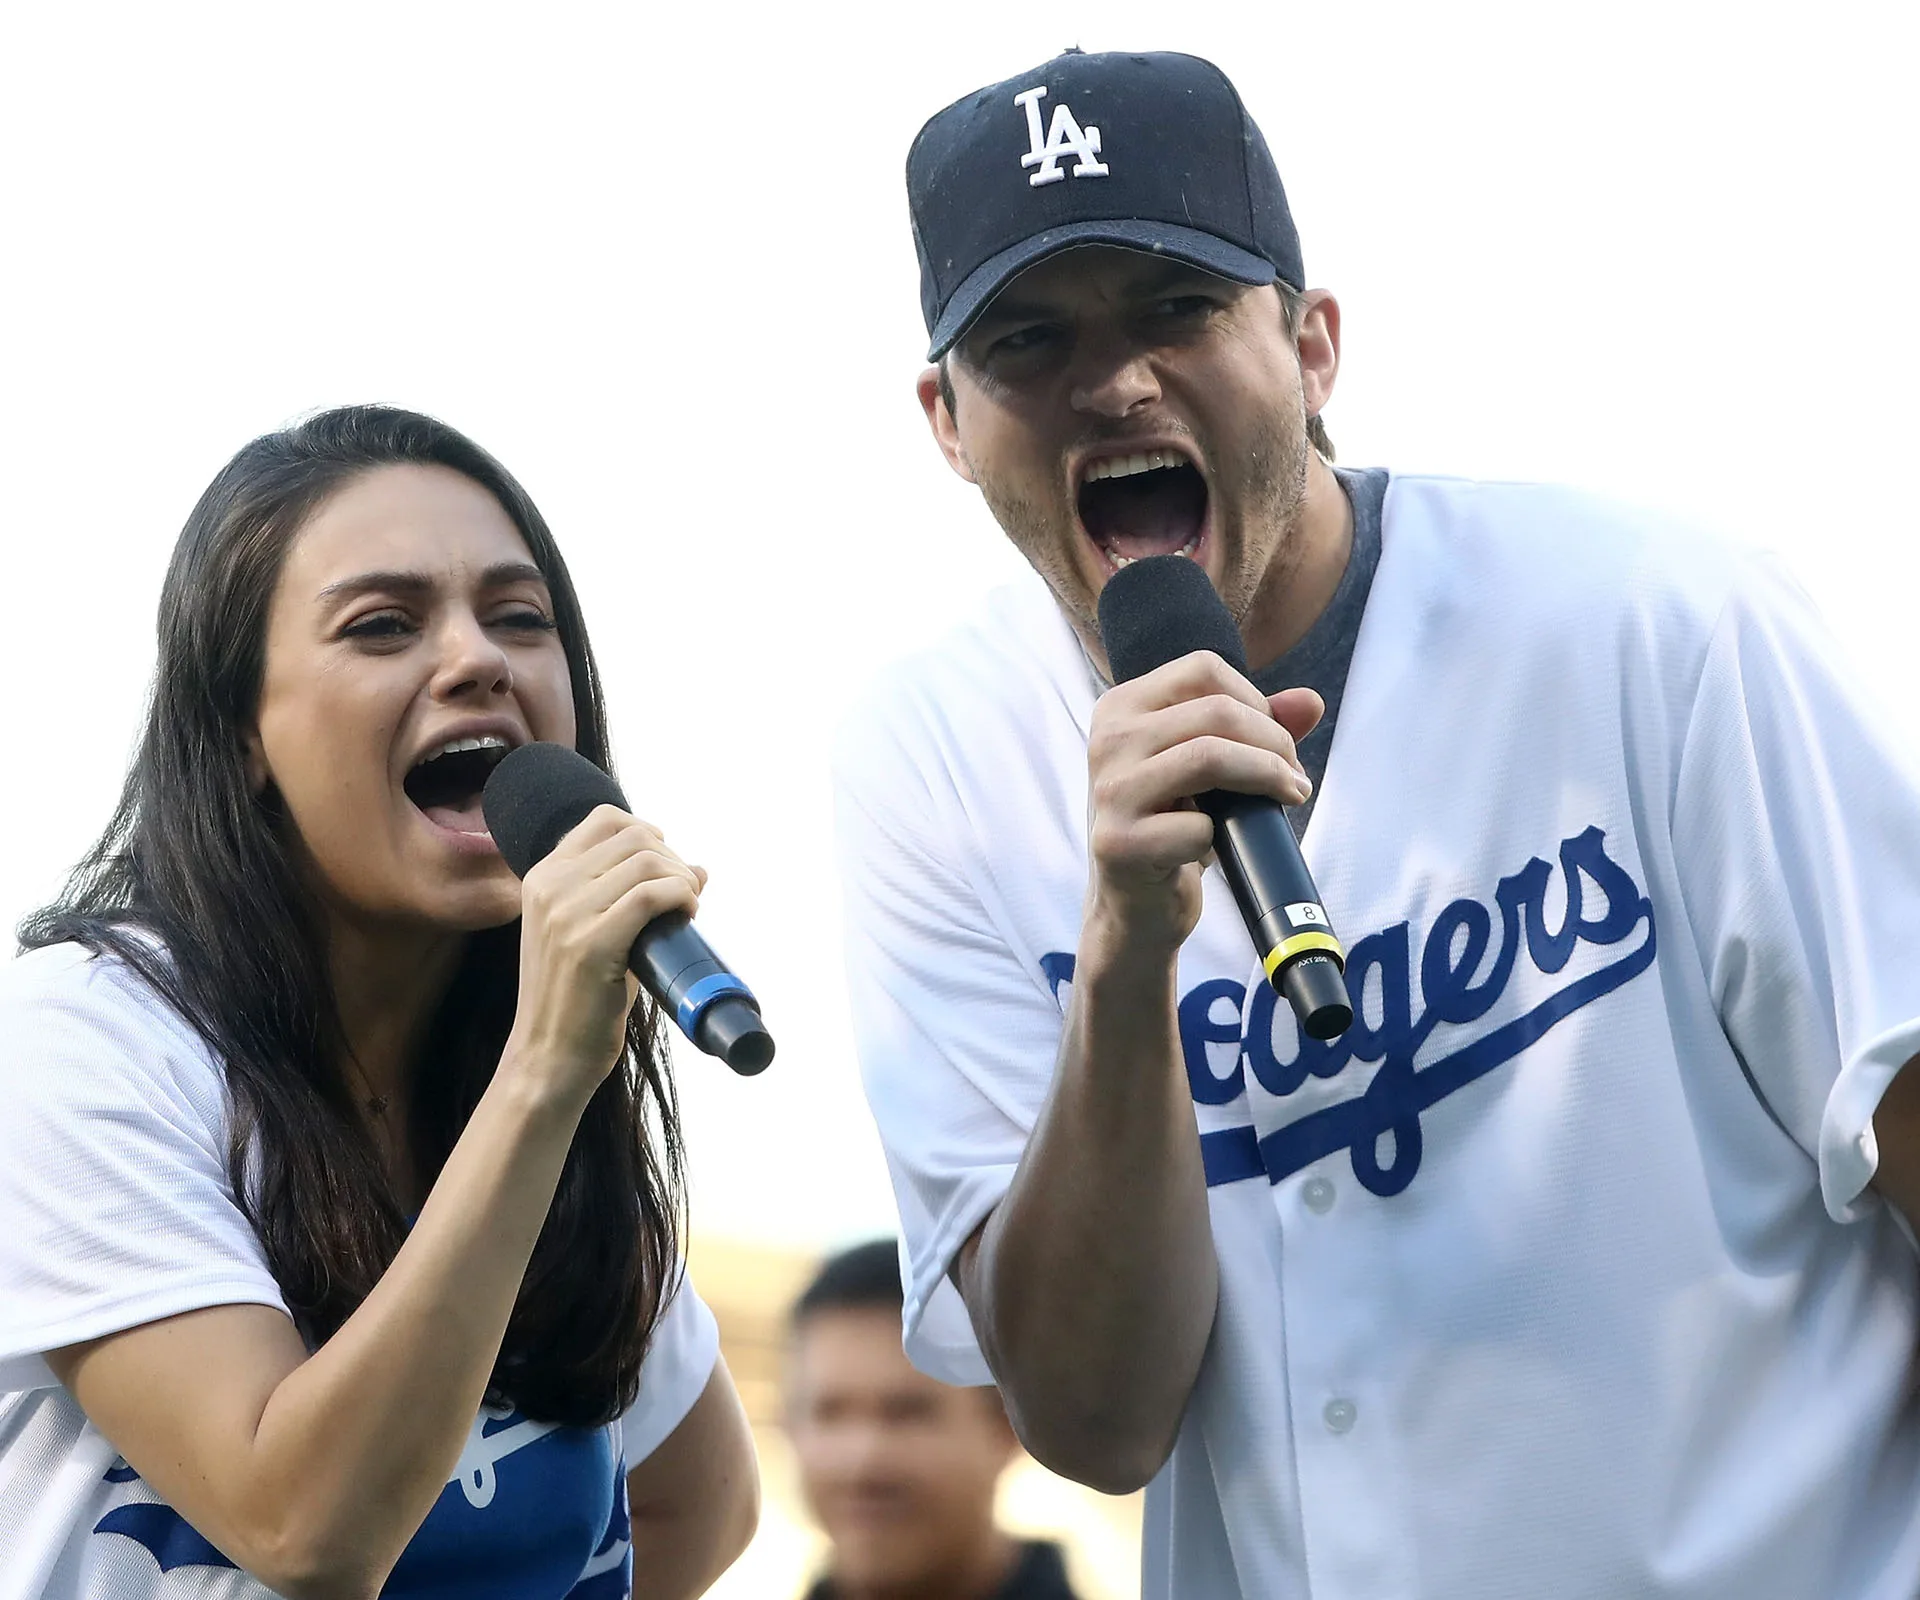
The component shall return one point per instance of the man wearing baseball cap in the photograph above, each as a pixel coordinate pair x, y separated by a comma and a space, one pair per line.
1568, 1268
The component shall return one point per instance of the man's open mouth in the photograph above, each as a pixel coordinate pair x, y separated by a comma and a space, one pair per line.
1151, 503
446, 783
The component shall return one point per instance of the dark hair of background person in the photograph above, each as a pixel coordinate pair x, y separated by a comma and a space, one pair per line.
194, 858
865, 1277
1293, 306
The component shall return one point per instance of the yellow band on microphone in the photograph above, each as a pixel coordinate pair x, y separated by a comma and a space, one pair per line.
1299, 944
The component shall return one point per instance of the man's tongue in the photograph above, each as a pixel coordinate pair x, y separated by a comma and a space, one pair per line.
1148, 514
462, 816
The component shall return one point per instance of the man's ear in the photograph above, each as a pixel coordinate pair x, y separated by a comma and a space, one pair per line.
940, 419
1318, 342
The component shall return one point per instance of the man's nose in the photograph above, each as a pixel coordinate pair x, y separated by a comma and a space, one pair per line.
1113, 377
862, 1456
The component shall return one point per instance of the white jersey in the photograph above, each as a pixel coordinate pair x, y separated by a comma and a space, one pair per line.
1558, 1274
116, 1210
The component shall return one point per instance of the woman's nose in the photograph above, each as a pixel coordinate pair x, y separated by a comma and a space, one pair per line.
471, 661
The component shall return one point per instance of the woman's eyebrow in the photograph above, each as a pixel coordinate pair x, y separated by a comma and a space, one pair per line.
416, 583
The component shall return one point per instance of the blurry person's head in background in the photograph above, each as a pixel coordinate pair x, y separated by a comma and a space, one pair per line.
899, 1469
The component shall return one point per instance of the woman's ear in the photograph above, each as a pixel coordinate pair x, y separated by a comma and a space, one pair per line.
254, 758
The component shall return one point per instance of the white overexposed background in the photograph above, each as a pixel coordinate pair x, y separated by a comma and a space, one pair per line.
656, 258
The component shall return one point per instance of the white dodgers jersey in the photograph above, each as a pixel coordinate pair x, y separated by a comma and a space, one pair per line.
1558, 1273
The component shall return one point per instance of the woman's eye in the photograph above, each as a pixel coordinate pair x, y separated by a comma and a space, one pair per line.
378, 625
533, 621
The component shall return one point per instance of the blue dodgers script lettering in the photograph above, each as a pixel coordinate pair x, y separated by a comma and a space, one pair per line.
1604, 907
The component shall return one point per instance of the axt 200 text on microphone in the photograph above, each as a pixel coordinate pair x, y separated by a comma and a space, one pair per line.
1157, 610
538, 795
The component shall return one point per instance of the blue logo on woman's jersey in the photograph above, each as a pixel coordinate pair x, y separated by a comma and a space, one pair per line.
532, 1509
167, 1535
1382, 980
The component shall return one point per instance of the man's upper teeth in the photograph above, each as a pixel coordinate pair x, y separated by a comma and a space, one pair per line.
1140, 461
486, 741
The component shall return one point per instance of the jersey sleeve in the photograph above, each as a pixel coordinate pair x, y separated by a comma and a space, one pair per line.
115, 1205
957, 1034
678, 1363
1797, 841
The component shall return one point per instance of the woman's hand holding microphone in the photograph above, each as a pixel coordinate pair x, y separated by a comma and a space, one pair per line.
582, 907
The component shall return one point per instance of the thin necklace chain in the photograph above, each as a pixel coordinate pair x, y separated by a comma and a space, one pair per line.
376, 1104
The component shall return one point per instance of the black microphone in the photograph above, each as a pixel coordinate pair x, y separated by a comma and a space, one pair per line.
1156, 610
538, 795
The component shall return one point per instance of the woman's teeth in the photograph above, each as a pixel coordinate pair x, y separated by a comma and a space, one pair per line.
486, 741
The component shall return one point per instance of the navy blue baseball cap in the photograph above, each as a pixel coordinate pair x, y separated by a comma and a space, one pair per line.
1147, 152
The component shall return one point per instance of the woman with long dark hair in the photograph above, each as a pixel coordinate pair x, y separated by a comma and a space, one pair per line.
340, 1171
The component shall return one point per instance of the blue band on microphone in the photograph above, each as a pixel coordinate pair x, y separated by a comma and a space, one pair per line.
702, 994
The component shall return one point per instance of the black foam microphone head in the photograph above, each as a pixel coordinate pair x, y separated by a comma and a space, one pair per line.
537, 796
1160, 608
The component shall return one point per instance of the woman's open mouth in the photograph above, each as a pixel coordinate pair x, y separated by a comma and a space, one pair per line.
446, 784
1151, 503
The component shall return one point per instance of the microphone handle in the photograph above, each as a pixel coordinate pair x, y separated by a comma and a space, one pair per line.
712, 1005
1302, 955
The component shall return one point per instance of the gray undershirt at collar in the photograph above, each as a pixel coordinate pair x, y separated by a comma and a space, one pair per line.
1320, 660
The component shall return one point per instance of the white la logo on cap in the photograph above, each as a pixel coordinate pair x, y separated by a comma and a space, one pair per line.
1064, 137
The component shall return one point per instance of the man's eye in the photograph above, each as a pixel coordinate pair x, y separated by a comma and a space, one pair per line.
1184, 305
1023, 340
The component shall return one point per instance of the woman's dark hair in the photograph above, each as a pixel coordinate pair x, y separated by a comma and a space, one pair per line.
193, 886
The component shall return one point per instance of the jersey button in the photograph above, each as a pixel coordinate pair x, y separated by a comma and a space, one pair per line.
1340, 1416
1318, 1194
